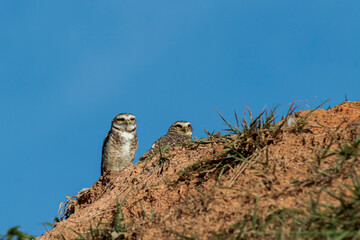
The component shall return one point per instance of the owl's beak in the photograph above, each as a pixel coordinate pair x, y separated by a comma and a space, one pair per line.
128, 122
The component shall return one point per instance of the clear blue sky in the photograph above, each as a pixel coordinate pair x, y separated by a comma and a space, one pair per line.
68, 67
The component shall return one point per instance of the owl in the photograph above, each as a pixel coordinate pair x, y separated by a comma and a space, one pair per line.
120, 144
179, 132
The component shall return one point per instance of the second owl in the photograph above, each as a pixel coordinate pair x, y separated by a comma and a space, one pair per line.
178, 133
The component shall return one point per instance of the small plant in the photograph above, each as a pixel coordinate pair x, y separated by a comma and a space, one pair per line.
179, 236
49, 224
15, 233
162, 159
301, 122
108, 230
345, 158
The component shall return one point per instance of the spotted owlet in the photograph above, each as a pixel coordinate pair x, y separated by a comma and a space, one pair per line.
179, 132
120, 144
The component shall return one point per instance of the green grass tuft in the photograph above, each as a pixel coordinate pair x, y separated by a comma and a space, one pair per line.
242, 142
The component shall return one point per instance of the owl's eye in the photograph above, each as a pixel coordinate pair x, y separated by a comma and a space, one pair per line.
132, 119
121, 119
178, 126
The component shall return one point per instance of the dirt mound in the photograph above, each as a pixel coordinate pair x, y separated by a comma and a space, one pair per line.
191, 191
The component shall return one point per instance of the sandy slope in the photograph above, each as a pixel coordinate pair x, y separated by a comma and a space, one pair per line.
198, 204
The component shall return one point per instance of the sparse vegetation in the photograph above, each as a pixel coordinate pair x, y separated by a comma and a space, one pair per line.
162, 161
243, 142
107, 230
337, 218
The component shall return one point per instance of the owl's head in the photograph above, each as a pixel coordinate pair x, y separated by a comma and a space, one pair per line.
124, 122
181, 127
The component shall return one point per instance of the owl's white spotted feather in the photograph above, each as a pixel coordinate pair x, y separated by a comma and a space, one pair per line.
120, 143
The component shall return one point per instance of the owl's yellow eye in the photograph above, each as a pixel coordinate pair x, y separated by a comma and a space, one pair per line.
178, 126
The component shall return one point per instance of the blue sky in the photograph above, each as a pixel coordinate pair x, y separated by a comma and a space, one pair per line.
68, 67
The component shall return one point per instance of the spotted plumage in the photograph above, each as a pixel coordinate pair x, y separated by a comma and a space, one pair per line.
120, 143
178, 133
